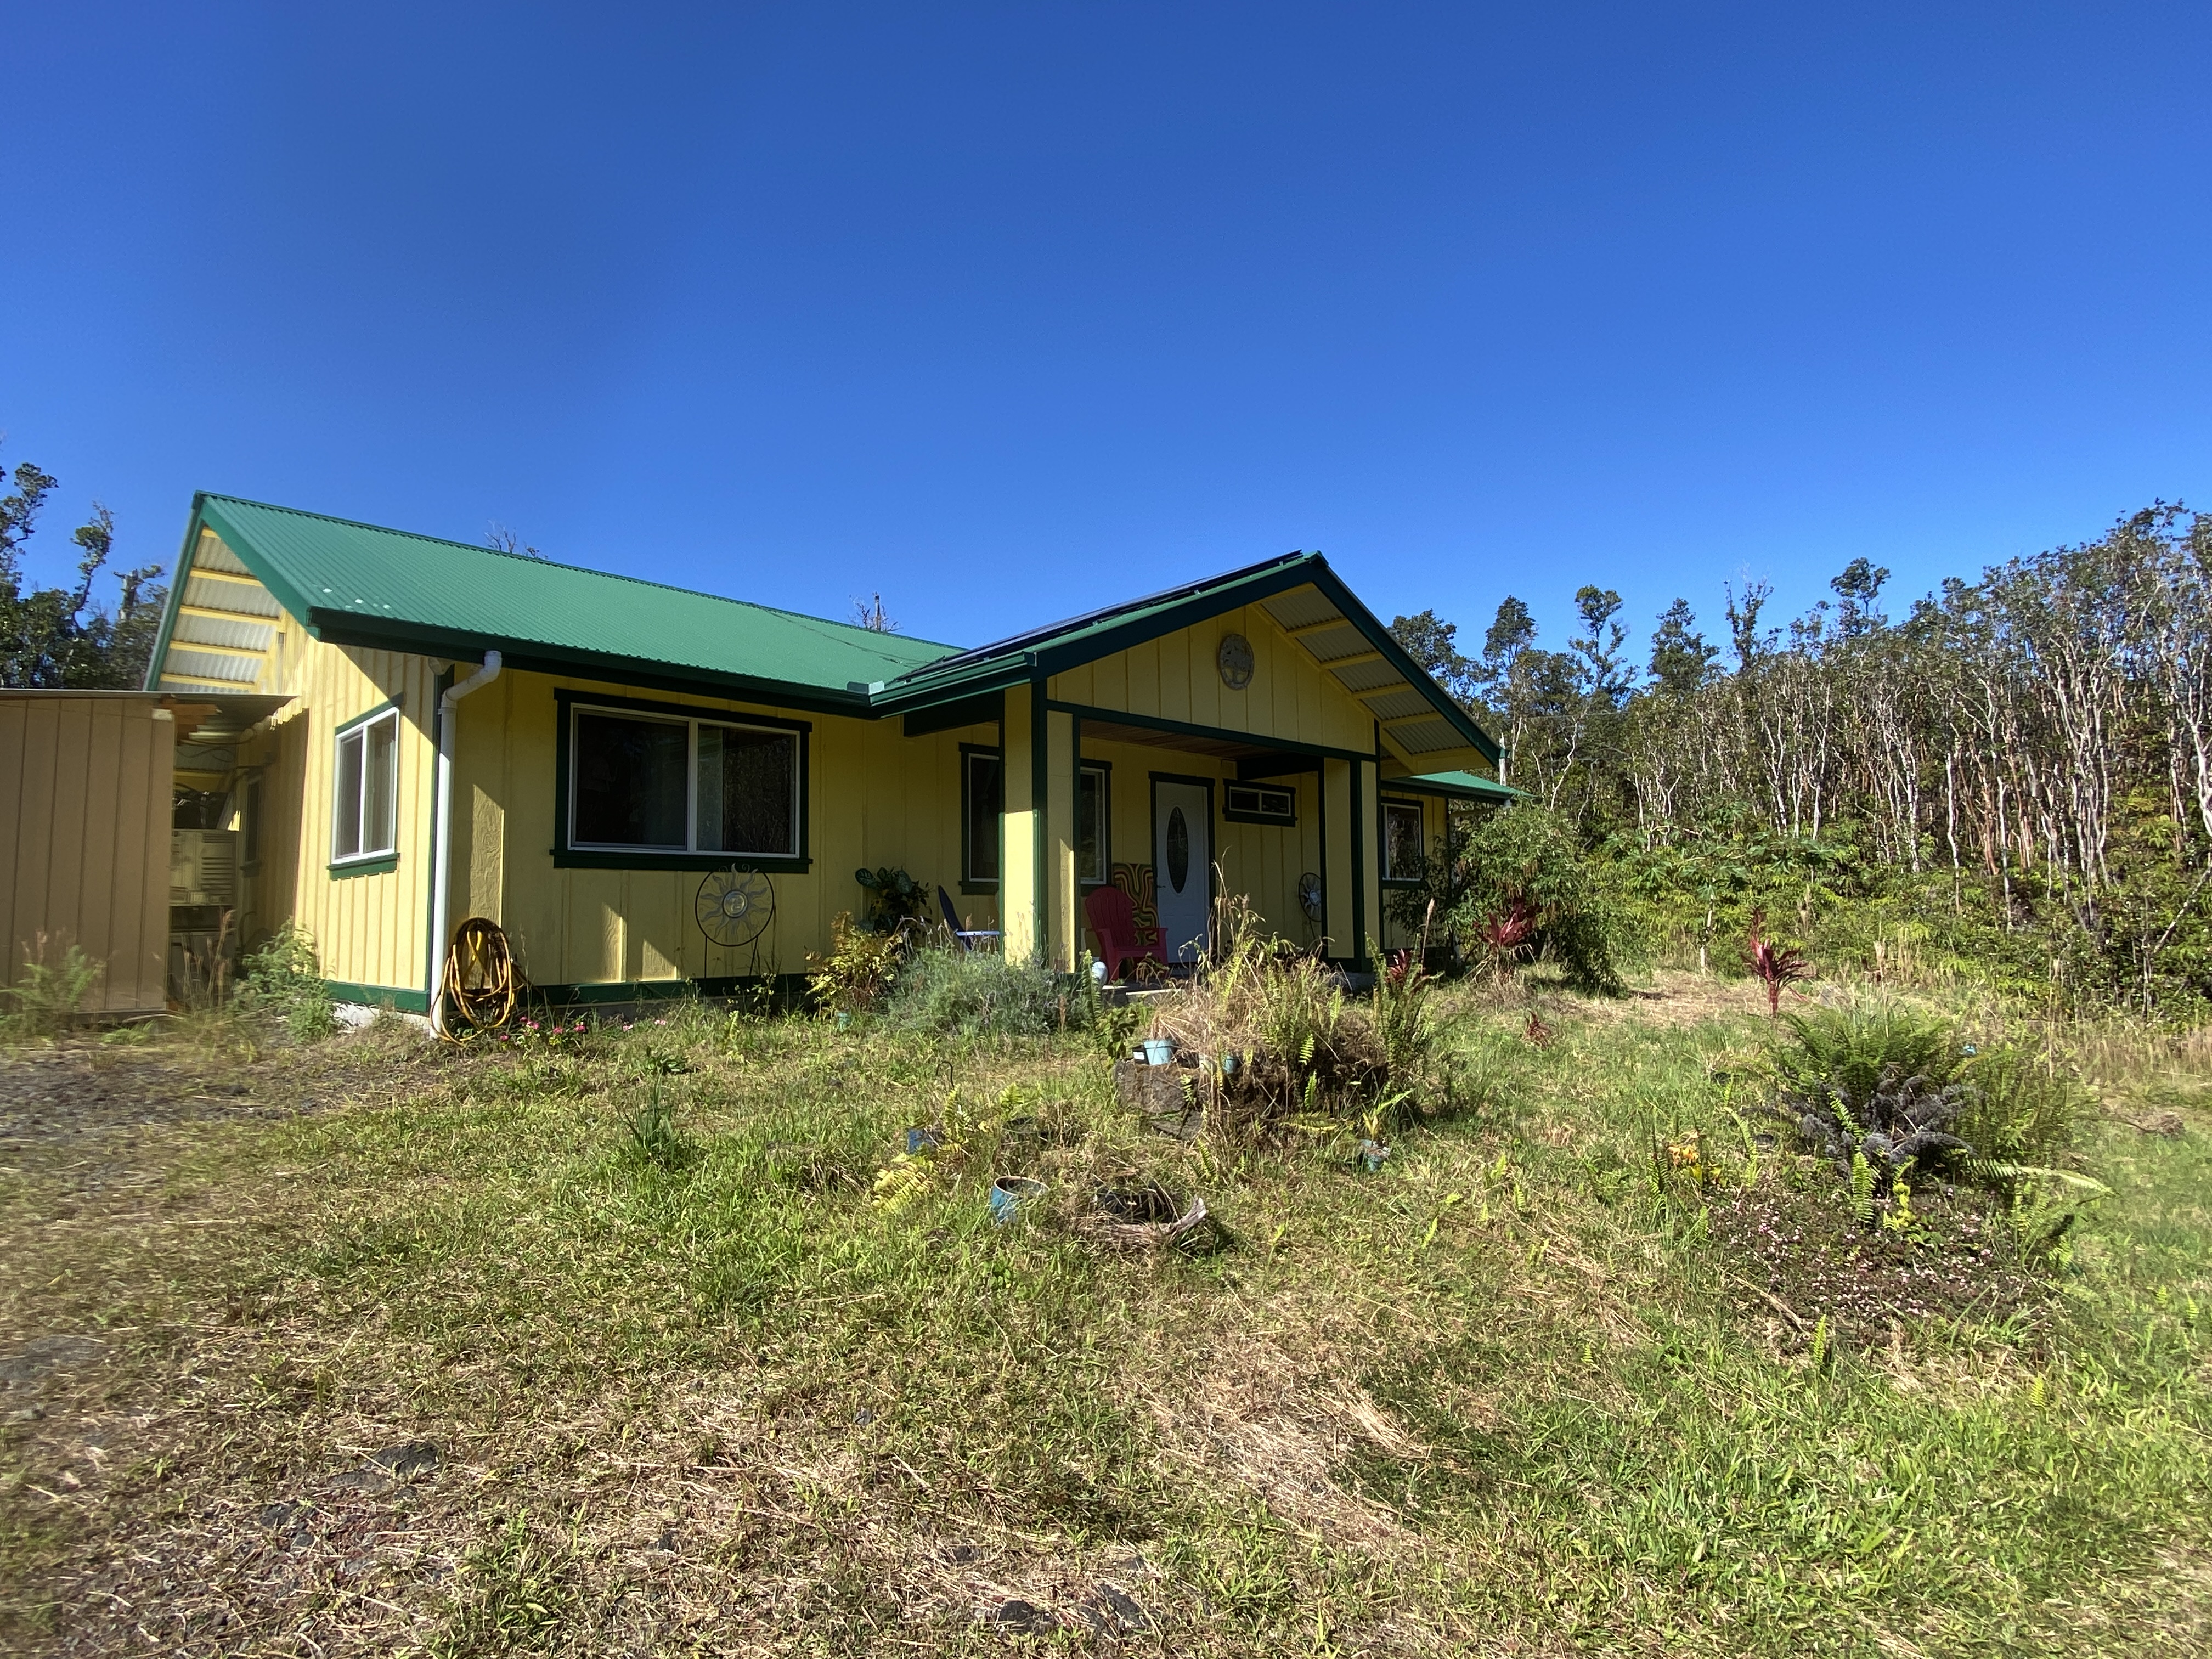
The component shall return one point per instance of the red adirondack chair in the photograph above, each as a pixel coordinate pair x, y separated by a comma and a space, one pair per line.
1114, 919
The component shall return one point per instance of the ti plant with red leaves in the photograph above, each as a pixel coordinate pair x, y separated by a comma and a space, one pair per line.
1773, 965
1505, 937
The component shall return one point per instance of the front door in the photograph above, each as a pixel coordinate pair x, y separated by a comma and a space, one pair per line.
1182, 867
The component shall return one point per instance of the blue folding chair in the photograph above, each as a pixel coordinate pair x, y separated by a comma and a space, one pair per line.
971, 939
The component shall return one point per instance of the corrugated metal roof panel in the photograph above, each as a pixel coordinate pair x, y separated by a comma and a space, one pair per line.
248, 598
339, 569
1427, 737
1394, 705
1302, 607
235, 632
208, 666
1364, 676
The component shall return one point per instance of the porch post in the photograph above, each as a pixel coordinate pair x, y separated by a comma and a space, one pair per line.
1023, 919
1367, 899
1063, 921
1340, 860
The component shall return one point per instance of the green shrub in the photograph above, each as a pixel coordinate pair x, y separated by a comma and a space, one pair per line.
978, 992
2019, 1110
284, 980
1852, 1050
1529, 858
46, 1000
1895, 1086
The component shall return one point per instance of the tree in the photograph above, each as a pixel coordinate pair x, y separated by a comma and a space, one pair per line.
502, 539
869, 613
1434, 644
56, 637
1680, 659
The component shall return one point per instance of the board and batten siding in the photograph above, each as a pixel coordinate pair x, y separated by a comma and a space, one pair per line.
1177, 678
371, 928
84, 839
875, 798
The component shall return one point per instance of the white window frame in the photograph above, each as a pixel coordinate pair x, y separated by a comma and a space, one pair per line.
357, 735
1105, 776
691, 724
1420, 816
1259, 792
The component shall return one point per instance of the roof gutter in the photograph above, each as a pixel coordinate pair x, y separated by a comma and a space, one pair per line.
442, 852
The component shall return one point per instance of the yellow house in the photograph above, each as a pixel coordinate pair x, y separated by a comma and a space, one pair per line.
649, 788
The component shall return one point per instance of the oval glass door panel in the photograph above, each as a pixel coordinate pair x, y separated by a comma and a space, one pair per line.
1178, 850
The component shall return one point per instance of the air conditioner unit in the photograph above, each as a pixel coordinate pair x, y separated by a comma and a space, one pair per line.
203, 866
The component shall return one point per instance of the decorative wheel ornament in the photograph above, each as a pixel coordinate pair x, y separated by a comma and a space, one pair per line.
1309, 895
735, 906
1234, 660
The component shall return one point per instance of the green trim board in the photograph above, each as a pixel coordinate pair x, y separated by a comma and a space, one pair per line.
989, 708
584, 993
383, 864
1458, 786
1311, 751
375, 996
567, 857
384, 707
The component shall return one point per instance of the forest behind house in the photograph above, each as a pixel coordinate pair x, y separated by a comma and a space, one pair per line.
2009, 782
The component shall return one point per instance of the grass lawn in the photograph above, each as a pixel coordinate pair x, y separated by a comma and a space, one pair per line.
379, 1346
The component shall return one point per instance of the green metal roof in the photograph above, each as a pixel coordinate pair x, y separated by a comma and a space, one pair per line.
1465, 786
357, 584
1085, 639
361, 585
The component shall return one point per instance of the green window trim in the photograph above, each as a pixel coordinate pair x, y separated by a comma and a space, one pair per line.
1104, 770
1382, 806
382, 866
598, 857
1272, 820
381, 859
970, 883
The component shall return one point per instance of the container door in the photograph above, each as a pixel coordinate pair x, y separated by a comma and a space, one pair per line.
1182, 867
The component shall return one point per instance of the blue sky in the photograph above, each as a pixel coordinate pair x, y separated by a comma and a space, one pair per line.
1012, 311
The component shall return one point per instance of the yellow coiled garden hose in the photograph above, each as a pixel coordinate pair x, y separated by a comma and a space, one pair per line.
481, 986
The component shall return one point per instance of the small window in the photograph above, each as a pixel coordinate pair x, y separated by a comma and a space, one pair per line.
1090, 851
1260, 802
365, 792
982, 798
1401, 841
647, 783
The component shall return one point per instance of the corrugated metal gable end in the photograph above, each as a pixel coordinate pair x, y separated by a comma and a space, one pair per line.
332, 573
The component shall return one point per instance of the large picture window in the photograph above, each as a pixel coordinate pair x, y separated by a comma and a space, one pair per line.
982, 798
1401, 841
365, 791
653, 783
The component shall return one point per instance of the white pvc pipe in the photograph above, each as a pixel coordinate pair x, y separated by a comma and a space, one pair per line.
441, 856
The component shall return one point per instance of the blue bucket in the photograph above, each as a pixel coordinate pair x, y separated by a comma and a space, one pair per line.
922, 1140
1159, 1051
1009, 1194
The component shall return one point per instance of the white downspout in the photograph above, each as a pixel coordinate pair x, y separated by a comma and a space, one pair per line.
443, 850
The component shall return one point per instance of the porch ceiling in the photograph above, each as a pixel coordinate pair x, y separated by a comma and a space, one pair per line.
1189, 743
1335, 641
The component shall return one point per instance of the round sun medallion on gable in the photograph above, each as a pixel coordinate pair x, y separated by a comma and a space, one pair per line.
1234, 658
